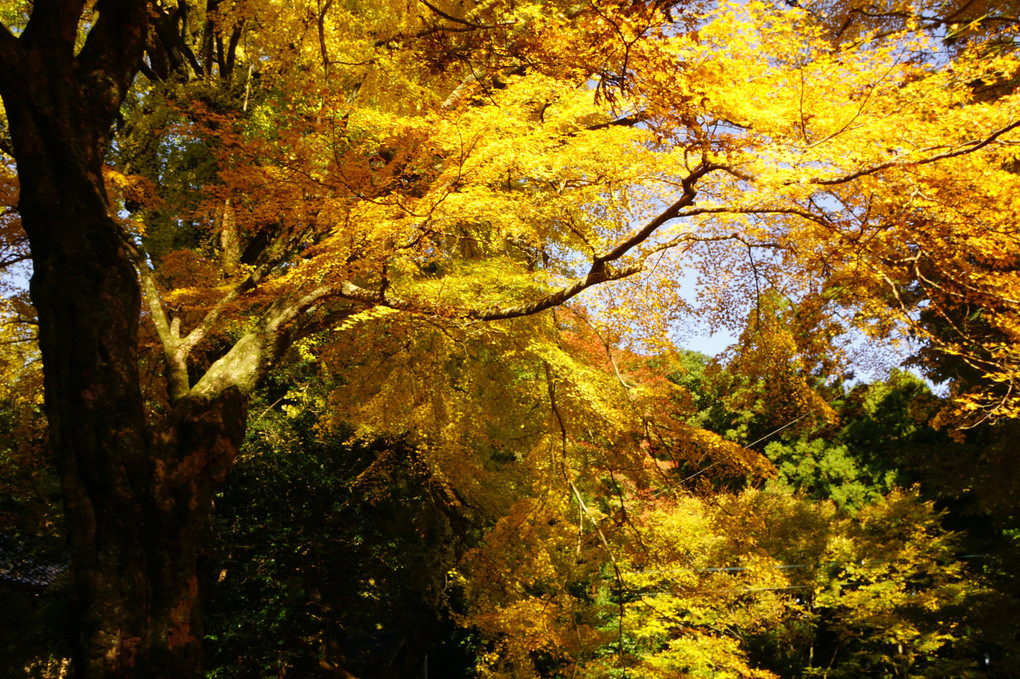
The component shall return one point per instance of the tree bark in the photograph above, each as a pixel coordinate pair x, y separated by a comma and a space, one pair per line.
137, 492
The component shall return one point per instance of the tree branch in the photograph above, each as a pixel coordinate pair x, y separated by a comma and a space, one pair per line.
113, 49
169, 334
450, 17
686, 199
248, 360
200, 331
963, 149
54, 25
582, 507
461, 90
599, 274
174, 45
626, 121
324, 52
175, 348
601, 271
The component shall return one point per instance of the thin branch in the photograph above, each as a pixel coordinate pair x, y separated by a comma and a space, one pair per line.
748, 446
609, 353
13, 259
691, 238
857, 114
963, 149
193, 338
450, 17
736, 210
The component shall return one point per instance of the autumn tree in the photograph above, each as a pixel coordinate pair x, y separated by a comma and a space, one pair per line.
749, 584
207, 187
951, 275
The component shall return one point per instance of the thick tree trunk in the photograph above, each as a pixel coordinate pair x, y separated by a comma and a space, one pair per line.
137, 492
136, 499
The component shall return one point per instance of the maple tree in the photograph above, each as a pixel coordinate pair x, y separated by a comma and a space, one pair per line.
950, 276
751, 584
207, 188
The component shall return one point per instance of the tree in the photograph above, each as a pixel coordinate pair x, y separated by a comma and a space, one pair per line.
410, 167
328, 556
751, 584
950, 275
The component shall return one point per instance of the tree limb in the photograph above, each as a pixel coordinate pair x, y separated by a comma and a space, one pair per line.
323, 9
54, 25
249, 359
686, 199
626, 121
113, 48
461, 90
600, 273
450, 17
963, 149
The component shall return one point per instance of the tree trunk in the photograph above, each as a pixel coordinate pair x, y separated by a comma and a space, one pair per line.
137, 492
